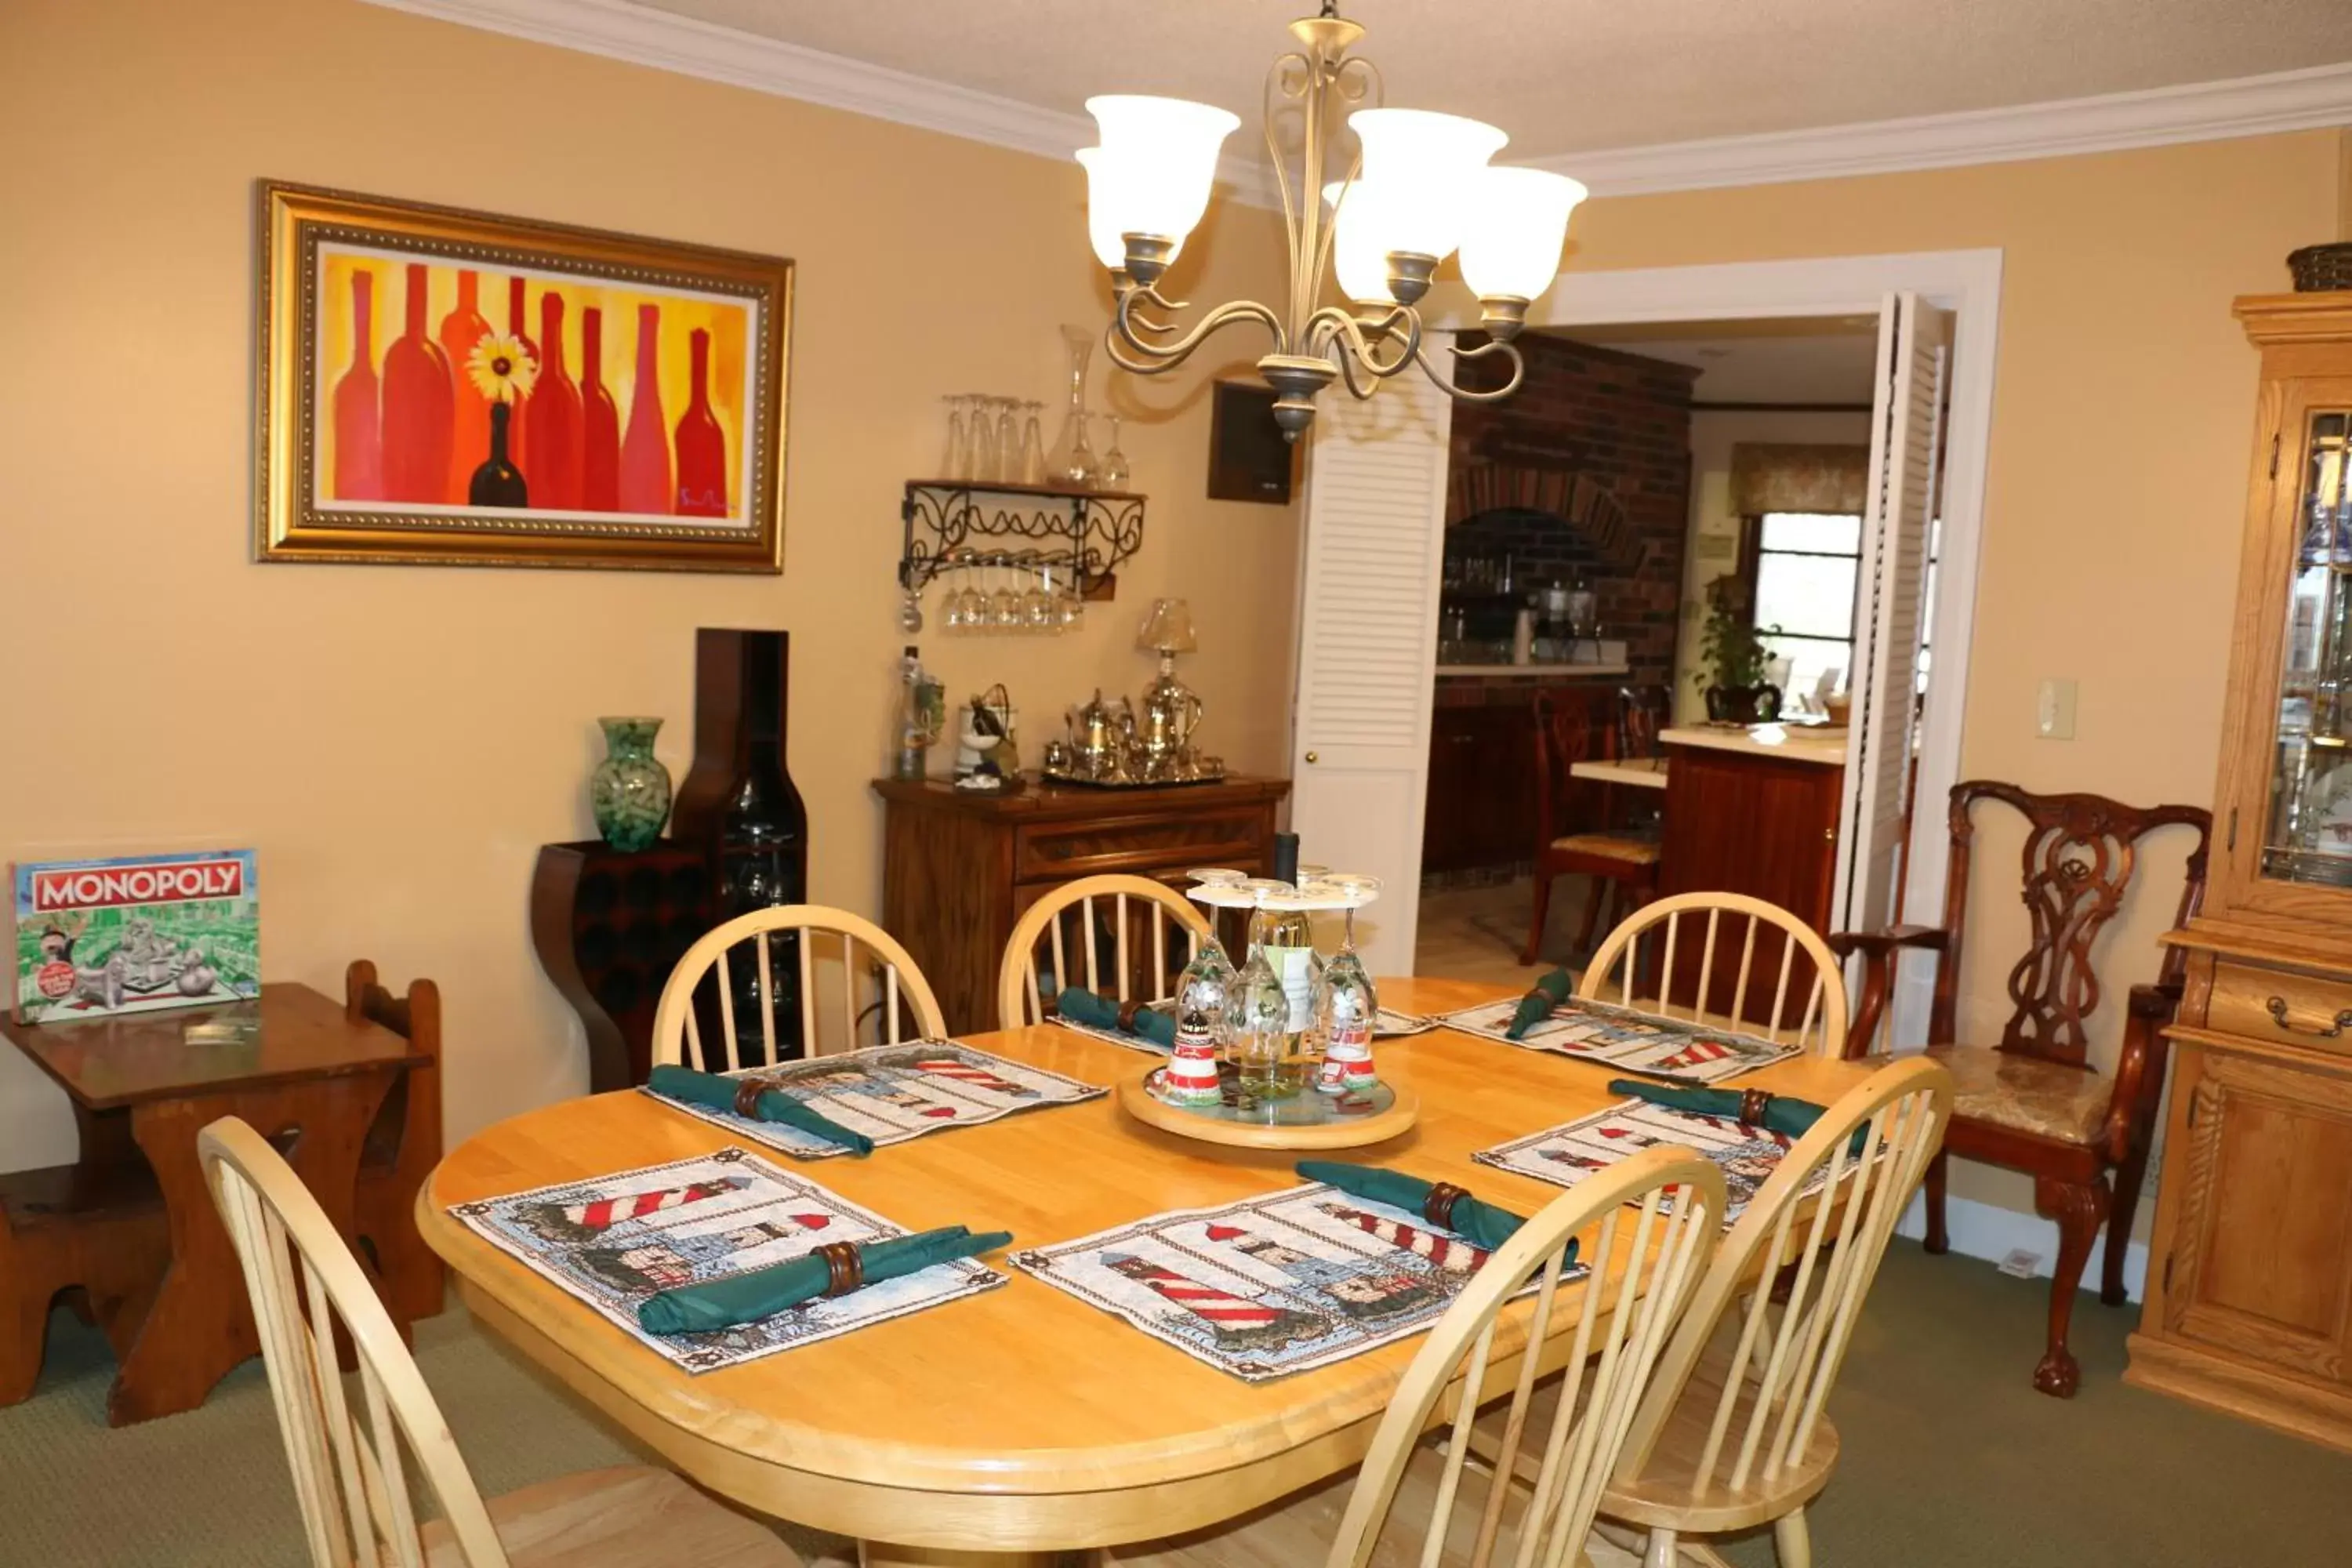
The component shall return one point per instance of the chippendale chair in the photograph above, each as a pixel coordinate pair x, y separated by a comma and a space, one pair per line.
1618, 860
2034, 1103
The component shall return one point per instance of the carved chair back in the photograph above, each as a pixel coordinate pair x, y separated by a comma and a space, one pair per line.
1762, 1414
1566, 731
352, 1452
1641, 712
1138, 933
2080, 853
727, 978
1658, 1217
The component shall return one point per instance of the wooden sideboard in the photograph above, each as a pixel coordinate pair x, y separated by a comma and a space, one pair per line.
2249, 1297
958, 867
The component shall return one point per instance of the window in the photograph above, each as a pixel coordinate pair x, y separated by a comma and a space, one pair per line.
1806, 566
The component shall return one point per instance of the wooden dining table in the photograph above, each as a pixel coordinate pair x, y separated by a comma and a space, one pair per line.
1011, 1427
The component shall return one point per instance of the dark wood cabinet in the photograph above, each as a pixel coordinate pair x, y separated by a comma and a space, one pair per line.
1481, 805
959, 868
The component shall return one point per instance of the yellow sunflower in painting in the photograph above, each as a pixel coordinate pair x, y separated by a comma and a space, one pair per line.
501, 368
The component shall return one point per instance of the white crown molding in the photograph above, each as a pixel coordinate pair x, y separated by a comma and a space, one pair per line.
2306, 99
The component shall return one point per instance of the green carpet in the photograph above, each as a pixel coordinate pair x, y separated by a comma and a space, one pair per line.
1949, 1457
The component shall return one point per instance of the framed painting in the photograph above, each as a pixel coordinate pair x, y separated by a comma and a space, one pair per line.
449, 388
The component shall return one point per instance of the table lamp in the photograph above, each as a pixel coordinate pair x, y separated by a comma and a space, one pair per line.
1170, 708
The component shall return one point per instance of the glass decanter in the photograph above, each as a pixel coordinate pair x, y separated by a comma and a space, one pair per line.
1070, 461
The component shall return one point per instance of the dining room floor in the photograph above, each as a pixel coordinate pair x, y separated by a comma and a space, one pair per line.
1948, 1460
1475, 932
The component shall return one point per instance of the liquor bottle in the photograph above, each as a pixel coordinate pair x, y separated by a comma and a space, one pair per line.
420, 406
461, 330
918, 713
359, 441
497, 482
644, 450
517, 447
701, 444
552, 419
763, 862
1288, 942
600, 422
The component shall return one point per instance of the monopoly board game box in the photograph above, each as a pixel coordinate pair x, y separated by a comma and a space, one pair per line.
96, 939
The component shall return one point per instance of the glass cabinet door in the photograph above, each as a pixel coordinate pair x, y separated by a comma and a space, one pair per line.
2310, 834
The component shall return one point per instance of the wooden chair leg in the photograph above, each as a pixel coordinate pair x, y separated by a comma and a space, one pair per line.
1940, 1241
1794, 1540
24, 1333
2128, 1176
1661, 1551
1543, 909
1595, 891
2079, 1208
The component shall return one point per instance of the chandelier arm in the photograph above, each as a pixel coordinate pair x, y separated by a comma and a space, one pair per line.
1456, 390
1275, 88
1333, 325
1159, 357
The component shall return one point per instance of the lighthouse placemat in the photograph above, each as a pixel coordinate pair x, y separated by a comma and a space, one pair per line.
892, 1093
1568, 1154
615, 1240
1277, 1284
1624, 1040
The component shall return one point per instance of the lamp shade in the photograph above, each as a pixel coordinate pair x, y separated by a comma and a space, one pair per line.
1423, 165
1160, 161
1107, 223
1168, 628
1360, 245
1512, 229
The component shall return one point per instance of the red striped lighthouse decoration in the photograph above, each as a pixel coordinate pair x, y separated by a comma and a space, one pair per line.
603, 1214
1698, 1054
1191, 1076
1455, 1256
1223, 1311
978, 1078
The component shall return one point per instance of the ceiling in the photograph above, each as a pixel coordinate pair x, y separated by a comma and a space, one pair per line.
1568, 75
1823, 360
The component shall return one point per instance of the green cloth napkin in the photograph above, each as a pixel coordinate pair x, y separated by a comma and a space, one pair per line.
1537, 1005
760, 1293
1082, 1006
1482, 1223
1783, 1114
717, 1092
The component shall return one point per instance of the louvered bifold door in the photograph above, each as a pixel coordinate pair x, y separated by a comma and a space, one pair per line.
1906, 421
1374, 541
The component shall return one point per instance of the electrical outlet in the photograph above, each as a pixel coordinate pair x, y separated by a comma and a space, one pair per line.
2019, 1264
2053, 710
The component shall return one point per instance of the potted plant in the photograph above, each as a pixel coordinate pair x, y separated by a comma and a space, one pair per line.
1733, 658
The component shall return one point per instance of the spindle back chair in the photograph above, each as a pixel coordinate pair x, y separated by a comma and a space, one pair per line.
1134, 918
1675, 955
729, 983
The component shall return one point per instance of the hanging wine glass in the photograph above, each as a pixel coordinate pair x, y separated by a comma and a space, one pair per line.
1033, 446
1112, 475
910, 610
1037, 606
954, 461
1006, 613
959, 607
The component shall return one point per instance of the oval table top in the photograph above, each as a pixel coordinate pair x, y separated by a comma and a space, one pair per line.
1021, 1419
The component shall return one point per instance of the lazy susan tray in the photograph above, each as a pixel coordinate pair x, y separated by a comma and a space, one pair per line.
1303, 1121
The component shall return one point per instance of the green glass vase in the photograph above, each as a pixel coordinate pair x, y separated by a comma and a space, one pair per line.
629, 790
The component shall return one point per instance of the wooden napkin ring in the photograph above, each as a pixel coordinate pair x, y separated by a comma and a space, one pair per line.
1126, 1011
844, 1271
1753, 1103
1438, 1207
747, 1097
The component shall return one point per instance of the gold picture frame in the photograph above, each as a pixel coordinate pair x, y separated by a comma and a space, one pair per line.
656, 444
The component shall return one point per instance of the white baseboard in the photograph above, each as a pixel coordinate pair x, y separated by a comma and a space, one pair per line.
1990, 1232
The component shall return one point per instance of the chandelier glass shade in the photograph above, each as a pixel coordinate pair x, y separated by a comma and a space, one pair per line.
1419, 188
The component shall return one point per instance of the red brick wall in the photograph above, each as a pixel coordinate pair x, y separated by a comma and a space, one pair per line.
1625, 423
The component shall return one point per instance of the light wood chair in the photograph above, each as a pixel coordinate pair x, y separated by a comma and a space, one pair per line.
1627, 1221
1732, 1434
742, 953
1697, 957
1141, 913
352, 1476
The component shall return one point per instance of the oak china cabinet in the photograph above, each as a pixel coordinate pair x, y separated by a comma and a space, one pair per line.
2249, 1299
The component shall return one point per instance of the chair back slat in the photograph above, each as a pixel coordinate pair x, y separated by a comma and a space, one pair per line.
1792, 1277
351, 1478
717, 979
1123, 956
1621, 1311
1650, 964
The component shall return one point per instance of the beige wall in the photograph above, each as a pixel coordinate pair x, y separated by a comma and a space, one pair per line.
1714, 547
397, 741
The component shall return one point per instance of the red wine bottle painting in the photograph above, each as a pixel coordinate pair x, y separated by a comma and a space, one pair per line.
450, 388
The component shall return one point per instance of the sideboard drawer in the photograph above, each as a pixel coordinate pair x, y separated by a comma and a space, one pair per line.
2318, 1011
1062, 852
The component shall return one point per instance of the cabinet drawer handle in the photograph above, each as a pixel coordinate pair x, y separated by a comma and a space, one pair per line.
2277, 1009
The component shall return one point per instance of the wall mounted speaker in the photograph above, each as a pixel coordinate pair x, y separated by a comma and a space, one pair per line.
1248, 459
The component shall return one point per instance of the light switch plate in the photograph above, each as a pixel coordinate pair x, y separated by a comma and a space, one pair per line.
2053, 710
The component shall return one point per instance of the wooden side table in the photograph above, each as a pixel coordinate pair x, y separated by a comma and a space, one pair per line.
310, 1082
960, 867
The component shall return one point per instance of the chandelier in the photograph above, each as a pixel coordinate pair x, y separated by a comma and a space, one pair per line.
1419, 189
